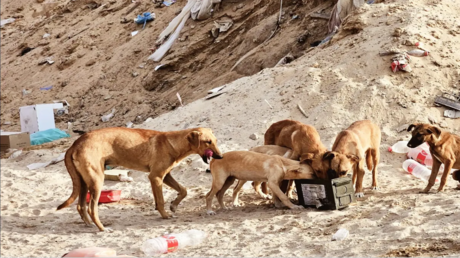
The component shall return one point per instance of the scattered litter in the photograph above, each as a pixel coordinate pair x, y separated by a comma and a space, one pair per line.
216, 89
48, 60
6, 21
340, 11
452, 114
224, 24
418, 52
302, 110
340, 235
64, 109
15, 154
107, 117
107, 196
34, 166
421, 46
134, 33
124, 178
180, 100
158, 67
202, 9
266, 101
116, 174
399, 147
400, 62
210, 96
285, 60
169, 2
144, 18
129, 124
295, 17
46, 35
38, 117
25, 92
49, 135
448, 102
46, 88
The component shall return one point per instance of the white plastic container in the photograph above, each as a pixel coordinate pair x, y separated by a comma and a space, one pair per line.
421, 154
171, 242
340, 235
399, 147
416, 169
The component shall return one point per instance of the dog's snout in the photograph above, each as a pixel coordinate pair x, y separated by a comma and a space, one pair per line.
217, 156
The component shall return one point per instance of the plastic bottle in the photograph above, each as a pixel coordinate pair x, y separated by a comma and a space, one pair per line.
416, 169
399, 147
421, 155
171, 242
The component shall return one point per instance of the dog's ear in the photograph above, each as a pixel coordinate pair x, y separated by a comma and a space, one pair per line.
435, 130
307, 157
411, 127
194, 138
353, 157
329, 155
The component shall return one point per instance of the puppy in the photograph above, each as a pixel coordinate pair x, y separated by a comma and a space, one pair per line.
269, 150
249, 165
444, 147
361, 140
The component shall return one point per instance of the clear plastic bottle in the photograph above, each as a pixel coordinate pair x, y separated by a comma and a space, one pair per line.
171, 242
416, 169
421, 154
399, 147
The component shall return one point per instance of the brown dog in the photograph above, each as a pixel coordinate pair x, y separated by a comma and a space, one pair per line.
269, 150
444, 147
253, 166
144, 150
361, 140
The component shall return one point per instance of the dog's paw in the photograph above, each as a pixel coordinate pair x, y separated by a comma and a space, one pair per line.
297, 207
359, 195
426, 190
237, 204
173, 207
211, 212
108, 230
440, 189
375, 188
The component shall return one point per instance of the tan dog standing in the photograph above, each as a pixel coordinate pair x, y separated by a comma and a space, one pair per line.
444, 148
253, 166
144, 150
361, 140
269, 150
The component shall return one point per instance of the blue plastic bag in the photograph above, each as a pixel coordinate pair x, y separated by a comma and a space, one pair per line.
47, 136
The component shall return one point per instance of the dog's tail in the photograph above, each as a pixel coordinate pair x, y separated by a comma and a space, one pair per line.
76, 179
369, 162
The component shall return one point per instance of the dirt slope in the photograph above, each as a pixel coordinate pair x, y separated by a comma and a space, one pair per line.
100, 66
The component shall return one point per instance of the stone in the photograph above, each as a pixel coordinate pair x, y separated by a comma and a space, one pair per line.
254, 136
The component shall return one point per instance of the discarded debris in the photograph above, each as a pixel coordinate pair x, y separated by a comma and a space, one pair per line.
266, 101
341, 234
224, 24
448, 102
6, 21
107, 117
285, 60
134, 33
15, 154
341, 10
34, 166
129, 124
46, 35
216, 89
48, 60
47, 88
144, 18
400, 62
25, 92
158, 67
116, 174
302, 110
180, 100
169, 2
452, 114
418, 52
210, 96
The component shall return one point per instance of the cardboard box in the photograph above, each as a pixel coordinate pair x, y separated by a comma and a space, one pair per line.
335, 194
38, 117
15, 140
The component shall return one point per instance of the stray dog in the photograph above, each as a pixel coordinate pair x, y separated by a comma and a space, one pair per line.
144, 150
253, 166
305, 143
269, 150
444, 147
361, 140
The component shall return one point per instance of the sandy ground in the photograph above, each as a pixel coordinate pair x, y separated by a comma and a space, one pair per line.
336, 85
